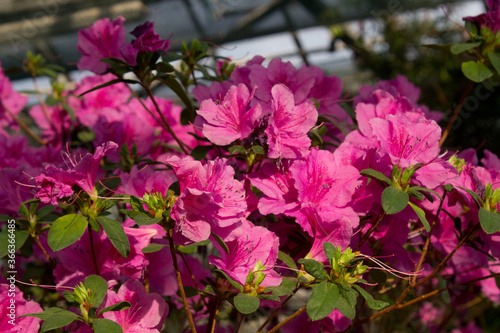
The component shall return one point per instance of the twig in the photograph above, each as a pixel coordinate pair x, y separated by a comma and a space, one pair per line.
370, 231
275, 312
287, 320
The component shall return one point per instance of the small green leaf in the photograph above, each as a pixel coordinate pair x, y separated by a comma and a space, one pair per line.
19, 238
421, 215
459, 48
68, 296
426, 190
237, 149
376, 175
86, 136
258, 150
329, 249
200, 152
246, 304
347, 300
98, 285
393, 200
106, 326
94, 225
476, 71
220, 241
116, 234
66, 230
287, 260
490, 221
314, 268
61, 319
281, 291
109, 83
141, 218
136, 204
44, 211
153, 247
471, 28
372, 303
44, 315
189, 291
495, 61
323, 300
123, 305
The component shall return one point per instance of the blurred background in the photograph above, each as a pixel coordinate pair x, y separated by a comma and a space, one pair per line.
361, 41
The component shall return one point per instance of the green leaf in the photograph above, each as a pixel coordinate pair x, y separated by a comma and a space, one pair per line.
66, 230
60, 319
393, 200
376, 175
330, 250
471, 28
123, 305
220, 242
44, 315
106, 326
141, 218
475, 71
68, 296
200, 152
347, 300
153, 247
94, 225
281, 291
459, 48
416, 194
109, 83
495, 61
287, 260
20, 236
136, 204
173, 84
424, 189
44, 211
189, 291
477, 198
490, 221
258, 150
116, 234
98, 285
314, 268
246, 304
421, 215
86, 136
237, 149
323, 300
372, 303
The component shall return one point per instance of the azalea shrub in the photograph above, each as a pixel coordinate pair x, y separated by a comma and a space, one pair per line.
262, 199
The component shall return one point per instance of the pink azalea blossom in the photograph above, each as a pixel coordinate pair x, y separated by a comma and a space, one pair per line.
12, 306
11, 102
51, 189
147, 40
490, 19
103, 39
211, 199
289, 124
147, 313
257, 244
232, 119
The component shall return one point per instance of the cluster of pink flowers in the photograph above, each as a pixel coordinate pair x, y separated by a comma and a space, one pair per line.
264, 186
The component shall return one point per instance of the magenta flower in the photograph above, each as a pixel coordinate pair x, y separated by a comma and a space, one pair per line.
10, 312
289, 124
11, 102
232, 119
490, 19
51, 189
80, 172
148, 40
407, 142
256, 245
103, 39
211, 200
147, 313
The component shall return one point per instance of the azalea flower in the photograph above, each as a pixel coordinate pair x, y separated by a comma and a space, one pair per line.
10, 321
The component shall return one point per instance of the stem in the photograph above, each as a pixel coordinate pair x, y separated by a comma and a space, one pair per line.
193, 278
240, 321
146, 108
275, 312
25, 127
179, 281
94, 258
168, 128
37, 241
456, 112
213, 316
287, 320
380, 217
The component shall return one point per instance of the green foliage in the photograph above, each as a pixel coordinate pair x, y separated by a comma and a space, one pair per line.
116, 234
394, 200
66, 230
246, 304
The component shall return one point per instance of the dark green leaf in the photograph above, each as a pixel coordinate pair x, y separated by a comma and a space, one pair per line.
376, 175
123, 305
106, 326
329, 249
153, 247
141, 218
476, 71
393, 200
136, 204
490, 221
116, 234
220, 242
44, 315
66, 230
109, 83
495, 61
189, 292
477, 198
44, 211
372, 303
471, 28
459, 48
246, 304
323, 300
94, 225
314, 268
173, 84
98, 285
281, 291
287, 260
345, 308
416, 194
424, 189
200, 152
237, 149
421, 215
19, 239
